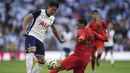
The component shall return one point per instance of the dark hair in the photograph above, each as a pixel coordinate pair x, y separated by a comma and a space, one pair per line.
82, 21
54, 4
95, 11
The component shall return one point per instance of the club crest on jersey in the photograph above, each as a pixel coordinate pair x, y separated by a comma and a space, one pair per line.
43, 24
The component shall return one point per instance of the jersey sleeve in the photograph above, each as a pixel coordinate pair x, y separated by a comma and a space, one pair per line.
36, 13
90, 25
98, 36
81, 34
105, 25
53, 23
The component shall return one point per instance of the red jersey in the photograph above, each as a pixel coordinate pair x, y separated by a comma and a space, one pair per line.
85, 47
98, 28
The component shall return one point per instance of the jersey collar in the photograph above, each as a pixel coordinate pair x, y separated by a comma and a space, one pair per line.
47, 13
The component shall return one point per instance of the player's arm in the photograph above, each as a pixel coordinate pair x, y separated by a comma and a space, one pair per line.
56, 34
26, 20
105, 25
81, 36
29, 17
98, 36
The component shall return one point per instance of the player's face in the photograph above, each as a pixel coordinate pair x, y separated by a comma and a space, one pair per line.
110, 26
79, 26
95, 15
52, 10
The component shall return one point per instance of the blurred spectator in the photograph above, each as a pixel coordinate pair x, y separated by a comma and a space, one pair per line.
1, 41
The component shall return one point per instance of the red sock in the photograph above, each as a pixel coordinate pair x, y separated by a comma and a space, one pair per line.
53, 71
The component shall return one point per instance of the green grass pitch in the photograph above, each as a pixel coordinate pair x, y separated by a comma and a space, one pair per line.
105, 67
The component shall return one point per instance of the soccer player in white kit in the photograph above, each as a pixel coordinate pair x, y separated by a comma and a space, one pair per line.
109, 45
42, 20
67, 35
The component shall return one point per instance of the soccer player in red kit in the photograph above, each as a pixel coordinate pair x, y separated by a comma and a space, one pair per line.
98, 26
81, 56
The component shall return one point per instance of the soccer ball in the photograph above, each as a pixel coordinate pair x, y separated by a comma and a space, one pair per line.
51, 64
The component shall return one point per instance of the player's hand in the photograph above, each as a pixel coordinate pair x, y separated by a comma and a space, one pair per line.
25, 33
62, 41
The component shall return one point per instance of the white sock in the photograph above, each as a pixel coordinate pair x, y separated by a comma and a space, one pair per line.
93, 71
29, 61
112, 60
37, 68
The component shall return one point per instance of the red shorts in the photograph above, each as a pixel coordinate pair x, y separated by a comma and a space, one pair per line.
98, 44
77, 63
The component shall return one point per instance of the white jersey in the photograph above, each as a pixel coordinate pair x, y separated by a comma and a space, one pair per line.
110, 39
40, 24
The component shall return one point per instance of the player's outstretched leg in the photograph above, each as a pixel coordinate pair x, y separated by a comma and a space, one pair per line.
99, 50
97, 59
66, 64
29, 59
59, 68
53, 71
38, 65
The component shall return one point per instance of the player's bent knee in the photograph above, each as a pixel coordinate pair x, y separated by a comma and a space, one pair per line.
100, 50
40, 59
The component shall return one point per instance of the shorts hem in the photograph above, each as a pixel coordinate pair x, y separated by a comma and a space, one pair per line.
32, 47
39, 55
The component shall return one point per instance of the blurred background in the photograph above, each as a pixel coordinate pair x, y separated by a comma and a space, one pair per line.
12, 13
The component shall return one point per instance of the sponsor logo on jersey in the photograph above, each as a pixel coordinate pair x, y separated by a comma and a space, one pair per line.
43, 24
